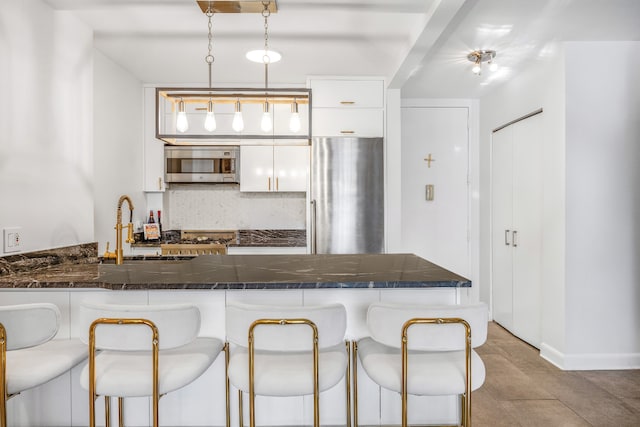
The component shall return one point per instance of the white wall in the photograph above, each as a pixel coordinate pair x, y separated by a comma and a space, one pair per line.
224, 207
118, 146
540, 87
591, 204
46, 157
603, 204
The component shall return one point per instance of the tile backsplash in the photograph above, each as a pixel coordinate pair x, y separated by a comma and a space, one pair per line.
224, 207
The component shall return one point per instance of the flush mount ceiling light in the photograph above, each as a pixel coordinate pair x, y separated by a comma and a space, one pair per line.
480, 56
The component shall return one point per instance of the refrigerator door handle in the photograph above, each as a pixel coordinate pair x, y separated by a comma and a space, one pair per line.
313, 226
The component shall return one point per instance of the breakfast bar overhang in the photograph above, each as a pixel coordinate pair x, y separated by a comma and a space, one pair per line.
212, 282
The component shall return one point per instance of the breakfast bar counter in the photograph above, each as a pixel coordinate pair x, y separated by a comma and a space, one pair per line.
246, 272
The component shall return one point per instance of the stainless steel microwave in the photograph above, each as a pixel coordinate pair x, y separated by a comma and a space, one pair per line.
202, 164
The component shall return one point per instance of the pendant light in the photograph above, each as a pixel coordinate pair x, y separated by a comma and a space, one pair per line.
210, 121
238, 122
294, 122
266, 124
182, 124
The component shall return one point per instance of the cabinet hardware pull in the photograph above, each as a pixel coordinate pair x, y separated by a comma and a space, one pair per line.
347, 102
347, 131
506, 237
269, 184
159, 183
277, 184
514, 240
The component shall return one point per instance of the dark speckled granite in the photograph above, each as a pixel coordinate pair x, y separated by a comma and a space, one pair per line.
245, 272
283, 272
272, 238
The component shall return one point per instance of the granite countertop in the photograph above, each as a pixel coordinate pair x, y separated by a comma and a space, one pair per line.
244, 238
244, 272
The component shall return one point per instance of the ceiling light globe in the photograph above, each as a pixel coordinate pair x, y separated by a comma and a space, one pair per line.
182, 124
476, 69
238, 122
259, 56
266, 124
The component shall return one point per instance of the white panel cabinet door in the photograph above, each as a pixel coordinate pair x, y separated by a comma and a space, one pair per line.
501, 226
274, 168
436, 229
348, 122
291, 167
347, 93
256, 167
153, 154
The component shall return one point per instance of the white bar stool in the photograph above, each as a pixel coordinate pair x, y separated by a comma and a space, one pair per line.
424, 351
287, 351
28, 355
144, 350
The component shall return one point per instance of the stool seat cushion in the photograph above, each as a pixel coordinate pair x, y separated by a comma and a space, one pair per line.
287, 373
33, 366
129, 373
429, 374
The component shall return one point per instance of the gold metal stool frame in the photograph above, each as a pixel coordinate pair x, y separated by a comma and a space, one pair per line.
92, 371
316, 388
3, 377
465, 401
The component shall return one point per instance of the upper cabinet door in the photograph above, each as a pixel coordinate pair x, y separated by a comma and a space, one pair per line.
291, 167
340, 122
153, 154
256, 168
347, 93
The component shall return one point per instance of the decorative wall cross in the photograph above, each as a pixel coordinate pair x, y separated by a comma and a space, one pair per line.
429, 159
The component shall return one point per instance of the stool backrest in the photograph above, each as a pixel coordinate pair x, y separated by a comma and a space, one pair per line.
28, 325
331, 321
178, 324
385, 322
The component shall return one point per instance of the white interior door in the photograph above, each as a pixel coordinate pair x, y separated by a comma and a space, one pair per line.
527, 221
502, 226
437, 229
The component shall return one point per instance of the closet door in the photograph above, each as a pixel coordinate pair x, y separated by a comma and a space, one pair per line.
527, 225
516, 219
501, 226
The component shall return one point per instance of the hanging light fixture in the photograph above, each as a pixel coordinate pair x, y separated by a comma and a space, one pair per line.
210, 121
238, 123
182, 124
266, 124
480, 56
294, 121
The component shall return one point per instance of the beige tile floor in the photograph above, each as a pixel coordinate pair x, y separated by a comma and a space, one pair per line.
522, 389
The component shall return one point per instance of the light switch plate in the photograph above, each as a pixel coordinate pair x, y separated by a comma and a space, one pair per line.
12, 239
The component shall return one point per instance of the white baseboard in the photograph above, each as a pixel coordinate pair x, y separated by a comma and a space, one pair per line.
589, 361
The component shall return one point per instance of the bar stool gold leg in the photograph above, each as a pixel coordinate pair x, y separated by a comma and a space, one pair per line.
3, 373
107, 411
354, 355
348, 382
240, 410
121, 411
226, 381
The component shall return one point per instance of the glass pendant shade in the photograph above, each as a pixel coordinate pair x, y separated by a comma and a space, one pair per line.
210, 121
182, 124
266, 124
238, 122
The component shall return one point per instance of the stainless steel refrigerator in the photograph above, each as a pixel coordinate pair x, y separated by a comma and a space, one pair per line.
347, 195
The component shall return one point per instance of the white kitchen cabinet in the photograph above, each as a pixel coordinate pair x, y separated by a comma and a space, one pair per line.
153, 149
517, 228
347, 107
274, 168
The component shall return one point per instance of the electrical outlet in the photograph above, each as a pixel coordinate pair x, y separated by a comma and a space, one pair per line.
12, 239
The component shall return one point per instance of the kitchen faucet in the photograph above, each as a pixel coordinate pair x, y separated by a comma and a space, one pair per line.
118, 253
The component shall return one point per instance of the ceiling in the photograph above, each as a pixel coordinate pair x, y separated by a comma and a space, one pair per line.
417, 45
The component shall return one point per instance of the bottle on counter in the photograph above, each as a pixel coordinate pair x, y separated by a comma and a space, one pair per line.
151, 219
160, 223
